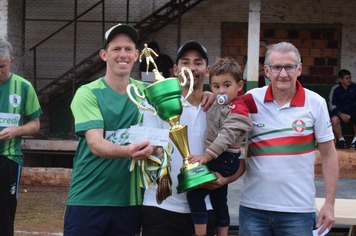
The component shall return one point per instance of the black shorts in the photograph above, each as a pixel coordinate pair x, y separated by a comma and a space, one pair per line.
160, 222
352, 115
10, 173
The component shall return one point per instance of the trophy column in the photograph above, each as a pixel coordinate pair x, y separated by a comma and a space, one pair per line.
190, 175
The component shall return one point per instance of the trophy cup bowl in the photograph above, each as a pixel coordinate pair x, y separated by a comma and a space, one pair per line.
165, 96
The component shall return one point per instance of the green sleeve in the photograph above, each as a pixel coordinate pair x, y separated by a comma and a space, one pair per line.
33, 108
86, 111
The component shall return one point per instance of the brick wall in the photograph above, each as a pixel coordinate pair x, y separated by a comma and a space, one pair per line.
205, 25
319, 46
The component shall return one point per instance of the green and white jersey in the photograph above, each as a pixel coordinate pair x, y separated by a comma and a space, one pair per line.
98, 181
18, 99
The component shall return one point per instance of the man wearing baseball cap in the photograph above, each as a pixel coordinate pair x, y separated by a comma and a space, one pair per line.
173, 217
104, 196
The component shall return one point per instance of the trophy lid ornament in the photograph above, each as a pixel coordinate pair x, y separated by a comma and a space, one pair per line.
147, 53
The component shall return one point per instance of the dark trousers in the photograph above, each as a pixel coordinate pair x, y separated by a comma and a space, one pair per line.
160, 222
10, 173
226, 164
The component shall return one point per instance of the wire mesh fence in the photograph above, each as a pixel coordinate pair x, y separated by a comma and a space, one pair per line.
63, 40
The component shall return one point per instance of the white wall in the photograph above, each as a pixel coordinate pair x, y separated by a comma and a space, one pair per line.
3, 19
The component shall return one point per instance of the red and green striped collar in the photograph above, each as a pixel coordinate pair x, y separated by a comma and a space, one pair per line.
298, 99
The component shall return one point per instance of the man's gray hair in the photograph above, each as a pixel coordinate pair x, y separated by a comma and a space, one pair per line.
283, 47
5, 50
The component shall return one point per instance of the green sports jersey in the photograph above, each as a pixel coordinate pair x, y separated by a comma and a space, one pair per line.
18, 99
98, 181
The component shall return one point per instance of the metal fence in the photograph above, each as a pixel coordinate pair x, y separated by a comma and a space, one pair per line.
63, 39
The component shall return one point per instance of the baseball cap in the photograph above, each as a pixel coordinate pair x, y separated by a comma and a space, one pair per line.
192, 45
120, 28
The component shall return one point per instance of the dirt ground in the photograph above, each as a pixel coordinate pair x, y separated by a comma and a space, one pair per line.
40, 210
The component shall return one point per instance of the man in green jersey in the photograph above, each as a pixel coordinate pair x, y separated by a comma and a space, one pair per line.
17, 100
105, 197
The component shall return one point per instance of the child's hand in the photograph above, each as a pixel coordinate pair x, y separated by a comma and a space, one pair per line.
201, 159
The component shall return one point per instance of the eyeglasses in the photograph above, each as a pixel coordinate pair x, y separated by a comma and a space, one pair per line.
278, 68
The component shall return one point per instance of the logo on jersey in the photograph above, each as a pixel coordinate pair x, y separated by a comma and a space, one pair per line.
120, 136
328, 124
299, 126
260, 125
15, 100
9, 120
13, 189
113, 138
124, 138
232, 107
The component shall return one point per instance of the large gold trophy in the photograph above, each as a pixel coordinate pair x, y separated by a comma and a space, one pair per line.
165, 96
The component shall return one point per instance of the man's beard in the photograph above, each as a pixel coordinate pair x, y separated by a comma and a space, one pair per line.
195, 85
196, 82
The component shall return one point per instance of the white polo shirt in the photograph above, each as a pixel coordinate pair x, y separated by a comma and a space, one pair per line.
195, 118
280, 171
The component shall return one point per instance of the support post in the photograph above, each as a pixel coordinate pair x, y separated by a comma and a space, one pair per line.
254, 18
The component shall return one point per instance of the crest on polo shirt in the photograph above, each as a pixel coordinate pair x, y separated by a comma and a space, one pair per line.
15, 100
299, 126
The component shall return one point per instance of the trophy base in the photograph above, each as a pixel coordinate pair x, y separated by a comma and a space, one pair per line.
193, 177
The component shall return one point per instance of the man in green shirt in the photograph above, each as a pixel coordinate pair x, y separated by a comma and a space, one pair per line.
17, 100
105, 197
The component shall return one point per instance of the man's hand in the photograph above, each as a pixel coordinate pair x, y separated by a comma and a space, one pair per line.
140, 151
221, 181
158, 151
104, 148
201, 159
345, 117
8, 133
207, 100
29, 128
214, 184
327, 215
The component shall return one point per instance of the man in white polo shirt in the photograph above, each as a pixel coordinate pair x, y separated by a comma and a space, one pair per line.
173, 217
278, 195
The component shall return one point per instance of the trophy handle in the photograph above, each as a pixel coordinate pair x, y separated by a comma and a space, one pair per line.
185, 82
139, 106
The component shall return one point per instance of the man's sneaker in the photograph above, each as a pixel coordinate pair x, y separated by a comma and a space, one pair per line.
342, 144
353, 145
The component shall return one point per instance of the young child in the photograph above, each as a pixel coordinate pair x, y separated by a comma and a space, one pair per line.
227, 122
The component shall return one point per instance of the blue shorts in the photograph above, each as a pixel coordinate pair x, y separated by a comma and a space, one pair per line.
253, 222
103, 221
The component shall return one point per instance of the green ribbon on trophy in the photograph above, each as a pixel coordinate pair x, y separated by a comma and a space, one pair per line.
165, 96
